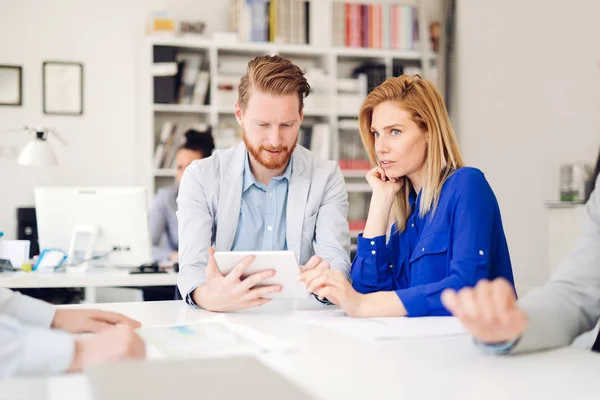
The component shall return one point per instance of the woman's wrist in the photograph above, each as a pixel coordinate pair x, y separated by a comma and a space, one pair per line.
379, 214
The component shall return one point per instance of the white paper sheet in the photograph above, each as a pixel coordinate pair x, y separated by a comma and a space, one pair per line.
212, 337
382, 328
17, 251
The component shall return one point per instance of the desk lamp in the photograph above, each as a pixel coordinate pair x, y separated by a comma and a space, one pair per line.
38, 152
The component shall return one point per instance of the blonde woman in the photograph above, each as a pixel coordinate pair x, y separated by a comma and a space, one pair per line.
448, 231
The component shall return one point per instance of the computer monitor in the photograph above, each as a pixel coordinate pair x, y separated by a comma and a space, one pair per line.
114, 219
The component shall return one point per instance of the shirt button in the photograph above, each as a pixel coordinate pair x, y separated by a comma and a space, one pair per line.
372, 243
269, 228
481, 252
423, 249
373, 252
270, 194
412, 225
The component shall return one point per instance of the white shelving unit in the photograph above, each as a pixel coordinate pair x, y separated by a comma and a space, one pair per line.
336, 62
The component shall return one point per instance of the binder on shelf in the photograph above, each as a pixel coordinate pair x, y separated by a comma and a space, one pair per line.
191, 69
177, 141
165, 74
320, 141
201, 88
165, 134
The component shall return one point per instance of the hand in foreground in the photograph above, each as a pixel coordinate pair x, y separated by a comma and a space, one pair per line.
116, 343
489, 311
89, 321
334, 286
231, 292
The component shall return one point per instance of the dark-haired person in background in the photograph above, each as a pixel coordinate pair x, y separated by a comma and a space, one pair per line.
163, 218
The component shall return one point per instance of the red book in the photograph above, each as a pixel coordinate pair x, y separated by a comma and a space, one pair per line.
347, 19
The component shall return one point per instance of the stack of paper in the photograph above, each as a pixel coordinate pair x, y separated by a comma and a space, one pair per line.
212, 337
382, 328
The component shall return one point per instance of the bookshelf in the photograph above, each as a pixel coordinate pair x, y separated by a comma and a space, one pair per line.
329, 70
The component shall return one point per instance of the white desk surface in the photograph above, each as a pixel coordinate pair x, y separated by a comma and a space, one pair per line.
336, 366
92, 278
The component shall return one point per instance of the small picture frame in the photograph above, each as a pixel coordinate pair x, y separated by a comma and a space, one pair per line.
62, 88
11, 85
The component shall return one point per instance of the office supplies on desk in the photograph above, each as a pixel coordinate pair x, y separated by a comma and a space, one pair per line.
17, 251
6, 265
153, 268
49, 260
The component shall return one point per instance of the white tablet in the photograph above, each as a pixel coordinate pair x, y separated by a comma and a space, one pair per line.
284, 264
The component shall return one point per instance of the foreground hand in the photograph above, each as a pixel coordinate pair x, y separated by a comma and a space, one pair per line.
334, 286
314, 268
89, 321
231, 293
381, 183
489, 311
117, 343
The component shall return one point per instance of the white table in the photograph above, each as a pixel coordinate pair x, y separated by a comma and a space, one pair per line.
336, 366
90, 280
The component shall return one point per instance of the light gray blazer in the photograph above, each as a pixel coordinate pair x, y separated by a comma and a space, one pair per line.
569, 304
209, 202
27, 344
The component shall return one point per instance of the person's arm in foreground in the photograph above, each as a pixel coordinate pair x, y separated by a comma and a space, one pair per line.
551, 316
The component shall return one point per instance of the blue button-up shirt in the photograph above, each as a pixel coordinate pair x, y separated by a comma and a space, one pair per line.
460, 243
262, 221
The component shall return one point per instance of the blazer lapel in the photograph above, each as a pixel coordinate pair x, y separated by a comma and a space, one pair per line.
296, 204
230, 200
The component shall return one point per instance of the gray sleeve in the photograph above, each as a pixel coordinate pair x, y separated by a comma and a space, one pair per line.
158, 226
332, 234
25, 309
195, 222
26, 350
569, 304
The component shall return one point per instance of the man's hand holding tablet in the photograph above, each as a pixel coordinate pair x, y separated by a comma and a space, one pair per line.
236, 290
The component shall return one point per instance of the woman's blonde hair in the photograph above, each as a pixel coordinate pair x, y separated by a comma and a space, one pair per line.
423, 102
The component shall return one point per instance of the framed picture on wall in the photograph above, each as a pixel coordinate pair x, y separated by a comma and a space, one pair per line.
11, 85
63, 88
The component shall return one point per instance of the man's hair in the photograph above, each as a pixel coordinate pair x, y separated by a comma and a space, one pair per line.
274, 75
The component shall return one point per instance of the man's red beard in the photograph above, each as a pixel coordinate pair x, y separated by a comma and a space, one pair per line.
258, 153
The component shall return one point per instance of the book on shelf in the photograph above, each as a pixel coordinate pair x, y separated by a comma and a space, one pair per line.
354, 164
227, 87
316, 138
379, 26
200, 91
279, 21
357, 225
172, 137
351, 93
191, 69
180, 77
166, 132
358, 210
320, 141
177, 139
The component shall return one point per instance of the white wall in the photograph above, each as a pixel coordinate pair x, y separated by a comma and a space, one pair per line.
107, 37
527, 94
527, 98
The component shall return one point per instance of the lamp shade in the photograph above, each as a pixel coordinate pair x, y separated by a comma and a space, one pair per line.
37, 152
